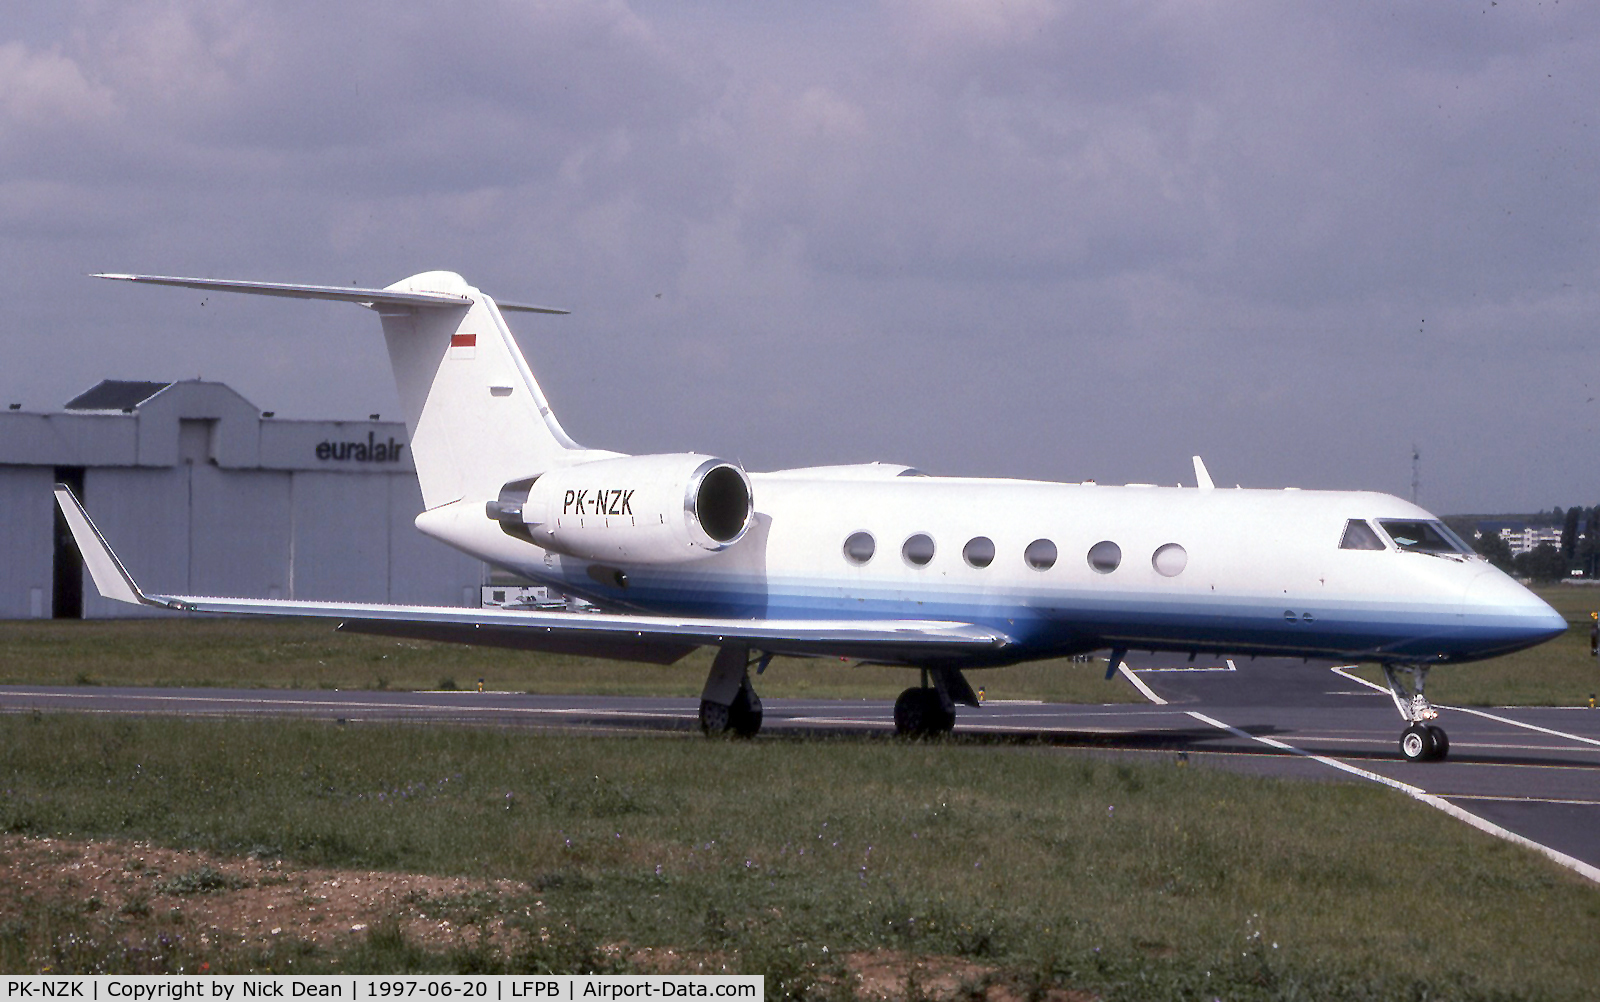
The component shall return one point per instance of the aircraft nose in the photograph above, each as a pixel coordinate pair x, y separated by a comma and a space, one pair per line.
1511, 615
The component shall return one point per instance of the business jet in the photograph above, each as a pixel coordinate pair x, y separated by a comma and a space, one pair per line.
876, 563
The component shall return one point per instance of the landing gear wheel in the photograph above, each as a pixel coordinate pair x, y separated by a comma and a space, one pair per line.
713, 717
1416, 744
1441, 741
920, 713
743, 719
740, 719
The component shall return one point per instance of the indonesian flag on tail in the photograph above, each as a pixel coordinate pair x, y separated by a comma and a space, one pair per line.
463, 344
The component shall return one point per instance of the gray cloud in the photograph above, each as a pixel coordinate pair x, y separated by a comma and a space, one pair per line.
1038, 239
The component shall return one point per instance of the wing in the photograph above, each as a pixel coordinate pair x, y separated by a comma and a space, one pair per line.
658, 639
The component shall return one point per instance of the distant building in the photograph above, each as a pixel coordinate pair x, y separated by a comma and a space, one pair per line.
1527, 538
200, 492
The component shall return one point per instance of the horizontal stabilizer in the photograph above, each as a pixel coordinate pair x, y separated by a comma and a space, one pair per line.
645, 638
366, 297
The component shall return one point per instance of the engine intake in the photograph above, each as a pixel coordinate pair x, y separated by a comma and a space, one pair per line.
632, 509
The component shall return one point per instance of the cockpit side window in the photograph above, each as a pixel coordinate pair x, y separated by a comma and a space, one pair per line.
1423, 537
1358, 535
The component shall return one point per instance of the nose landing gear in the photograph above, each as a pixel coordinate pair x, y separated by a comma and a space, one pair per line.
1421, 741
1424, 743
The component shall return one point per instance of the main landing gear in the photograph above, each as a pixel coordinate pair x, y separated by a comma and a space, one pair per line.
728, 703
920, 713
1422, 740
930, 710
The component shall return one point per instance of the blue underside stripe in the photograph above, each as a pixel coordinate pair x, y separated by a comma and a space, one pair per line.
1044, 623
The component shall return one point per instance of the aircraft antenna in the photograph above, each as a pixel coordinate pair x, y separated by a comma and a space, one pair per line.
1416, 473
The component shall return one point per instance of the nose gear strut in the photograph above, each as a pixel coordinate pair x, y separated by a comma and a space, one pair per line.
1421, 741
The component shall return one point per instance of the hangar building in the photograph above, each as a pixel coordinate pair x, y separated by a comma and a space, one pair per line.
200, 492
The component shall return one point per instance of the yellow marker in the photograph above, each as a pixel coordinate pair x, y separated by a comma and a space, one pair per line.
1591, 700
480, 685
980, 697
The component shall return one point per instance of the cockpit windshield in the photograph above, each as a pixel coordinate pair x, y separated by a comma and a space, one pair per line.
1358, 535
1424, 537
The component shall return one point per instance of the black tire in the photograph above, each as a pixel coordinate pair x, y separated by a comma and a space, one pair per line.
908, 713
1441, 742
738, 720
1416, 744
714, 718
744, 721
919, 713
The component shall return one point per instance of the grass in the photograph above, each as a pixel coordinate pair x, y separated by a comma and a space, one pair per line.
296, 654
1048, 868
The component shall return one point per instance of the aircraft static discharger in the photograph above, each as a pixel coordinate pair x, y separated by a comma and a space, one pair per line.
873, 562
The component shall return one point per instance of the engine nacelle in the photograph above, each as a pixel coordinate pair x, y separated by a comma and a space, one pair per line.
632, 509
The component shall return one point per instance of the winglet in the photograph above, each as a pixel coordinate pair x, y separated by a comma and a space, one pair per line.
1202, 476
111, 579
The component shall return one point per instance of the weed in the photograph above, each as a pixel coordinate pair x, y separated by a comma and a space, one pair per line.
204, 879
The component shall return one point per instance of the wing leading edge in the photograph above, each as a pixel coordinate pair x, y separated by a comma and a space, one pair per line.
657, 639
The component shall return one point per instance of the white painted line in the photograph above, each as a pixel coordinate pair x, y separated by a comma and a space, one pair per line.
1417, 793
1531, 727
1519, 800
862, 721
1357, 679
1188, 668
1144, 690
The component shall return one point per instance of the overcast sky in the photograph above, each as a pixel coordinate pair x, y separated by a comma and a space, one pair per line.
1026, 238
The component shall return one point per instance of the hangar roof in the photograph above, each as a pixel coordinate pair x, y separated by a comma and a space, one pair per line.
115, 395
123, 423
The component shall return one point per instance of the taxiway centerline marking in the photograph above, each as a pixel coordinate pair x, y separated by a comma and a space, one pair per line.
1418, 793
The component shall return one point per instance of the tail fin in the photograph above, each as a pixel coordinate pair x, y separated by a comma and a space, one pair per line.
476, 416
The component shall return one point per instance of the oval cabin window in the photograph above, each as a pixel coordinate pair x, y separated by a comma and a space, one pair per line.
918, 550
1170, 560
1105, 556
979, 552
1040, 554
858, 549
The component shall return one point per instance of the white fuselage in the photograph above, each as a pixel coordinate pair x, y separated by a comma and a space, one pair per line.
1051, 568
1240, 571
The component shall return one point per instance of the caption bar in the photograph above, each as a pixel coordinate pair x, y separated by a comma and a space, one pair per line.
238, 987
